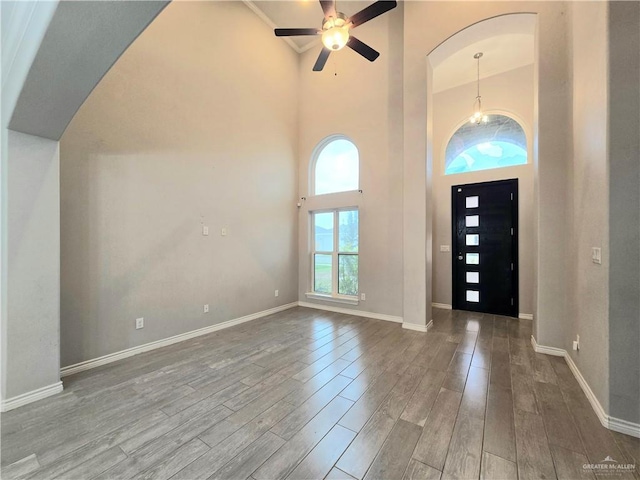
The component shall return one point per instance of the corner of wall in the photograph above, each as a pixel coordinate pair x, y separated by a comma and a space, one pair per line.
624, 210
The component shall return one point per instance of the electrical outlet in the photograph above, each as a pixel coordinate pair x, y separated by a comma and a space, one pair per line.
445, 248
205, 230
206, 308
277, 293
363, 296
223, 232
139, 323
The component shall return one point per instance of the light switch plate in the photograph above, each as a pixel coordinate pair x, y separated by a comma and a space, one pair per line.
596, 255
205, 230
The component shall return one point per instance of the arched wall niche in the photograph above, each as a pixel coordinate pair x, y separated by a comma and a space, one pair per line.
507, 87
510, 42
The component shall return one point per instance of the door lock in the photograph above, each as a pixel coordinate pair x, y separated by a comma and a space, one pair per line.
459, 257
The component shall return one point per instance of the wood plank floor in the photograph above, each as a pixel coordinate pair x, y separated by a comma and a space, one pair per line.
306, 394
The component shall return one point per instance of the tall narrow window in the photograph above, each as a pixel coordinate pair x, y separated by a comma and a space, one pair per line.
335, 253
336, 167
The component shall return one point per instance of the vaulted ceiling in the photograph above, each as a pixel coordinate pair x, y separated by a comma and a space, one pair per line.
300, 13
509, 46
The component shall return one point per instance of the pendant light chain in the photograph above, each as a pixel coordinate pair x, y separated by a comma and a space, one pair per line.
478, 95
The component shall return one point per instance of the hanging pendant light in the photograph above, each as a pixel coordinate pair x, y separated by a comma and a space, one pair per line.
478, 116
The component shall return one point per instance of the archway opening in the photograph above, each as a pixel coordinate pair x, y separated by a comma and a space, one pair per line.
501, 149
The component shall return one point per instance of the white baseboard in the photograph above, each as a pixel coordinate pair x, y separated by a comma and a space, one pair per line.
445, 306
622, 426
348, 311
525, 316
418, 328
32, 396
556, 352
113, 357
607, 421
593, 400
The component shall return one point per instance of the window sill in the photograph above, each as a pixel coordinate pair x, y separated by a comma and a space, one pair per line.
330, 298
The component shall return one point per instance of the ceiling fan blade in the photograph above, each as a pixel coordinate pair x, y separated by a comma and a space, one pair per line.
329, 8
372, 11
322, 59
362, 48
293, 32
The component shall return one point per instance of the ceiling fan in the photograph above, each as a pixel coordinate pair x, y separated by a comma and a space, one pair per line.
336, 28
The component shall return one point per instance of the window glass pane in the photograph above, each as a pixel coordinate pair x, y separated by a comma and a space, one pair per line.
473, 277
472, 220
473, 296
323, 228
473, 258
348, 231
501, 142
471, 202
337, 168
348, 274
322, 273
473, 240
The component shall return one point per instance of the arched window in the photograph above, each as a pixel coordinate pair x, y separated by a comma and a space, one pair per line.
501, 142
335, 231
337, 167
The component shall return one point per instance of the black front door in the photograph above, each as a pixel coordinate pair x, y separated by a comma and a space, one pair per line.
485, 247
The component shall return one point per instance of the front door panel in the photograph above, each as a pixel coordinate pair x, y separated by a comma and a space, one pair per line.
485, 247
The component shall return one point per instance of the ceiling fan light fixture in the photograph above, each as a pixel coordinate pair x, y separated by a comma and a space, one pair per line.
335, 32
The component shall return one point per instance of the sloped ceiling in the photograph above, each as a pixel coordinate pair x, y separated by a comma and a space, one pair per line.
500, 54
507, 42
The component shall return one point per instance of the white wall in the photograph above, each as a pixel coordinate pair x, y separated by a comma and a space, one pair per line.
33, 244
588, 198
624, 210
510, 93
193, 125
361, 102
18, 52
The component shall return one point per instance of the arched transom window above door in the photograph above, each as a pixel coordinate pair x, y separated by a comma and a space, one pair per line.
500, 142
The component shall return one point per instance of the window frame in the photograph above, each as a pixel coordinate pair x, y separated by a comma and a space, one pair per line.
335, 257
519, 120
322, 144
